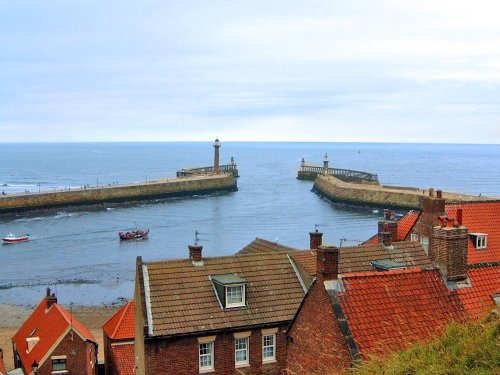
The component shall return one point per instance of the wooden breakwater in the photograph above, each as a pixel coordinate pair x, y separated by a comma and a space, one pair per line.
164, 188
381, 196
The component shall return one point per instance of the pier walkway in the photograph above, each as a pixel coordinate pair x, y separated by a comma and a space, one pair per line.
310, 172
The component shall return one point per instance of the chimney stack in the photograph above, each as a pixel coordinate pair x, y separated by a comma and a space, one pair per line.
50, 298
388, 228
195, 252
432, 208
327, 263
315, 239
450, 243
216, 155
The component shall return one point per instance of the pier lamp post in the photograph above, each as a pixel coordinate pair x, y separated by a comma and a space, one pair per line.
325, 165
38, 187
34, 367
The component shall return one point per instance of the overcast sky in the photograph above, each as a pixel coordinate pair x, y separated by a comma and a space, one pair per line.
280, 70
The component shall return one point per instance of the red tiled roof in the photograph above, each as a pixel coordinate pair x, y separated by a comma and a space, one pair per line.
121, 325
485, 282
404, 226
406, 223
123, 358
48, 325
389, 310
481, 217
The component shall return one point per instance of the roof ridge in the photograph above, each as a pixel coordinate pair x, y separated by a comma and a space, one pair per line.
386, 273
257, 254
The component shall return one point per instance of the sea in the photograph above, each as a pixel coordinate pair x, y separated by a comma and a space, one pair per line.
77, 252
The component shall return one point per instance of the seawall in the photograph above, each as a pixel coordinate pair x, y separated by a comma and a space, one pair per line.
164, 188
381, 196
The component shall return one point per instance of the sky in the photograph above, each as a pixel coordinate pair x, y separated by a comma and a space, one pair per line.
316, 70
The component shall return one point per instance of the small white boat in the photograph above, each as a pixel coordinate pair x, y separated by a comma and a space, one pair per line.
10, 238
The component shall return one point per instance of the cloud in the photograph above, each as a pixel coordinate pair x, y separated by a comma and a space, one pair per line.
281, 70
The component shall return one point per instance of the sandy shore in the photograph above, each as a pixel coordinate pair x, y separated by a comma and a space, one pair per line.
13, 317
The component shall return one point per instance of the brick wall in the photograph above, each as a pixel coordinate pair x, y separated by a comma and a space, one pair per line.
316, 343
181, 356
450, 249
81, 356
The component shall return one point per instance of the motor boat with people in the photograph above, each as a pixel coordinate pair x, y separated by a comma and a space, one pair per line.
134, 235
11, 238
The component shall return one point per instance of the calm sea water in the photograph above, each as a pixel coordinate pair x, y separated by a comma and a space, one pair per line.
79, 255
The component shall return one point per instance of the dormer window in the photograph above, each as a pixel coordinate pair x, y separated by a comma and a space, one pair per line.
230, 290
480, 240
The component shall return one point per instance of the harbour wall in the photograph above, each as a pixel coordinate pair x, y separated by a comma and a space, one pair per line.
384, 196
164, 188
368, 195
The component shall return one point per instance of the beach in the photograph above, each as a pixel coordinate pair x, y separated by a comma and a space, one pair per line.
13, 317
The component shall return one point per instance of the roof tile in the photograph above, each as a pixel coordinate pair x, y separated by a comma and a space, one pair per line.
485, 282
183, 299
388, 310
48, 324
121, 325
481, 217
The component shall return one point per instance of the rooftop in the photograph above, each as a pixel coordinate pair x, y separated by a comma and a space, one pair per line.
484, 283
388, 310
180, 298
483, 217
48, 323
121, 325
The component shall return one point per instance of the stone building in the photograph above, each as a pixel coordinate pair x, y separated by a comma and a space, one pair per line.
54, 341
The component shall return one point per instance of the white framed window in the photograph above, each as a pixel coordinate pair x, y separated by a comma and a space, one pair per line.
269, 348
414, 237
206, 353
58, 364
482, 242
424, 241
241, 353
235, 295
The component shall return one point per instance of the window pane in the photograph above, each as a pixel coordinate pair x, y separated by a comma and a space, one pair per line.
241, 347
58, 364
206, 358
234, 294
268, 346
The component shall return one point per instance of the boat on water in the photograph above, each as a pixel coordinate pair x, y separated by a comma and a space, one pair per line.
11, 238
134, 235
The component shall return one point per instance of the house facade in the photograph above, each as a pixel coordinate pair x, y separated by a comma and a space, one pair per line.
55, 342
221, 315
349, 315
118, 337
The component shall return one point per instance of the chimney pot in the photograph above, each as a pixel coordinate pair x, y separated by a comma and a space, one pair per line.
431, 192
459, 216
50, 298
440, 194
